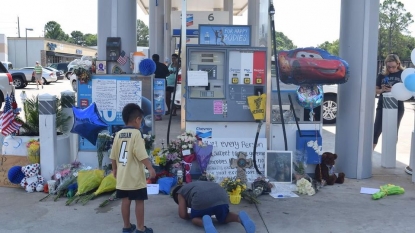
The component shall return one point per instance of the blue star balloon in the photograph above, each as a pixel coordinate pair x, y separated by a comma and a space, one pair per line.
88, 123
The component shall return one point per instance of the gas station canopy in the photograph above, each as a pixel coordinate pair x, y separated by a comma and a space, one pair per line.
239, 6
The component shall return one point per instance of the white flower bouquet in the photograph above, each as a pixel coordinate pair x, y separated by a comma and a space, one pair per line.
304, 187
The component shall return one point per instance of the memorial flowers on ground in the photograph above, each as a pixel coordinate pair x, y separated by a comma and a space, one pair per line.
33, 151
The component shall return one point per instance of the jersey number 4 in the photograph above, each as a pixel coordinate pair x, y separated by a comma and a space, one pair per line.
123, 156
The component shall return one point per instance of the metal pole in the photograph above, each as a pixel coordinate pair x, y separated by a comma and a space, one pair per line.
26, 47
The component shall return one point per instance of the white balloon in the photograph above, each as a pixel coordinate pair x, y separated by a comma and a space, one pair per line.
407, 72
413, 56
400, 92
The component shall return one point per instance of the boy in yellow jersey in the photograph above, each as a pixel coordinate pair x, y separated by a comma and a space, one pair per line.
129, 160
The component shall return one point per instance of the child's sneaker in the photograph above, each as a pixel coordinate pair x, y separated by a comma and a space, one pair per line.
208, 225
129, 230
146, 230
248, 224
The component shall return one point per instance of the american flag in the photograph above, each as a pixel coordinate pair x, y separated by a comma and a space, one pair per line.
122, 59
8, 123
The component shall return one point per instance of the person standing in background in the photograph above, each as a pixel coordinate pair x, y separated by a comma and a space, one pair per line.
390, 75
161, 72
38, 75
171, 82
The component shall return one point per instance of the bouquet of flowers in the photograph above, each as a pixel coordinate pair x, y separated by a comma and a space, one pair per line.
186, 140
33, 151
304, 187
149, 141
233, 185
104, 143
388, 189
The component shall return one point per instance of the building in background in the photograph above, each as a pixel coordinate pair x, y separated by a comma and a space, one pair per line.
46, 51
3, 48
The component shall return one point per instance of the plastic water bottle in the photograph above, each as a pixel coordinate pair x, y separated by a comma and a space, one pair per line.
207, 38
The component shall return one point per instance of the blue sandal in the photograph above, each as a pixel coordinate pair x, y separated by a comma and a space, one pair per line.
248, 224
129, 230
208, 224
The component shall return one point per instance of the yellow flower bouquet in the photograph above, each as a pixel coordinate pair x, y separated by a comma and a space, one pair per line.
233, 186
33, 151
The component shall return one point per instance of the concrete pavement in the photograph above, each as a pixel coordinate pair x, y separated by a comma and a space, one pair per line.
338, 208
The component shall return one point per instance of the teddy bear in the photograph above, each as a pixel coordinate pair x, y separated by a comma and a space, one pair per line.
32, 179
326, 174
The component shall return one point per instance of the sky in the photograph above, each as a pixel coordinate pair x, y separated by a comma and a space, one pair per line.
306, 23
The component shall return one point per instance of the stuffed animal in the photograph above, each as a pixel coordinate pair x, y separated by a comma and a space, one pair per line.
32, 178
327, 174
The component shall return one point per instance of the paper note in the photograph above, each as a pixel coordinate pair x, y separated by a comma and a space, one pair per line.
283, 195
128, 92
152, 189
364, 190
104, 94
197, 78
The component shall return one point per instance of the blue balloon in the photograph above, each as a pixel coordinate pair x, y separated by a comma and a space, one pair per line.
410, 82
147, 67
310, 96
88, 123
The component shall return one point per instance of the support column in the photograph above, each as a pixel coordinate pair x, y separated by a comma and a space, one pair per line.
228, 6
358, 46
156, 27
47, 132
117, 19
167, 31
67, 102
253, 20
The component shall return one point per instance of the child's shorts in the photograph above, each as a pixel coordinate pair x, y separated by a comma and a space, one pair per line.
138, 194
220, 211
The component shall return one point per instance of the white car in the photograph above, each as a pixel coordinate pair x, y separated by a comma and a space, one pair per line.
47, 75
6, 84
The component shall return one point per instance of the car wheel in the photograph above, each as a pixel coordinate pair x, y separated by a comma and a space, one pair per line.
330, 109
45, 82
74, 85
18, 82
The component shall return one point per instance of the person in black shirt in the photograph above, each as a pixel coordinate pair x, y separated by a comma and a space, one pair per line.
384, 82
161, 72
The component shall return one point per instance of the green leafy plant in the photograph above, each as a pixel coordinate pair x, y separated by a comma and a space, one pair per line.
30, 124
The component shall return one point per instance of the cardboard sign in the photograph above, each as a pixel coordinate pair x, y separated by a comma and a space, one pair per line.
7, 162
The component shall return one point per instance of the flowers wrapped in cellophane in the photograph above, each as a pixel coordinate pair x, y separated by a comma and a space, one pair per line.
388, 189
108, 184
88, 180
305, 187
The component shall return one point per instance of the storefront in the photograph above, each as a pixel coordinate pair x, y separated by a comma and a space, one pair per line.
24, 52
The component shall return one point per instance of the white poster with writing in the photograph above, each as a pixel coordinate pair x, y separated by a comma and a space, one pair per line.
104, 94
128, 92
227, 161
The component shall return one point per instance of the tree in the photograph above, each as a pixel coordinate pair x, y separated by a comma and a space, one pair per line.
90, 39
142, 34
283, 42
331, 47
393, 25
54, 31
77, 38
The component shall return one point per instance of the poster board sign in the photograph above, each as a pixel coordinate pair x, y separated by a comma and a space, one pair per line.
224, 35
7, 162
111, 93
227, 161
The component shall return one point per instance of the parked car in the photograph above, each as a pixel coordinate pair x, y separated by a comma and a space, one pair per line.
8, 65
61, 66
21, 77
6, 83
59, 74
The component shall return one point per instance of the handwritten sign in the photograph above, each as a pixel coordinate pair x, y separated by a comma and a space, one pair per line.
128, 92
225, 157
197, 78
104, 93
8, 162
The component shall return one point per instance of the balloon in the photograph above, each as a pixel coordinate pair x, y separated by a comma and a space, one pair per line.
310, 96
311, 66
88, 123
410, 82
147, 67
413, 56
407, 72
400, 92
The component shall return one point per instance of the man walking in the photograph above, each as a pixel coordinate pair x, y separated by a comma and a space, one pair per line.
38, 75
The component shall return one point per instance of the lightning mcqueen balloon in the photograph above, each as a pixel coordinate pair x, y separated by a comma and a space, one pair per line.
311, 66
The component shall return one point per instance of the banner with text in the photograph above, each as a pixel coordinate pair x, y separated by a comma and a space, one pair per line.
227, 161
226, 35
